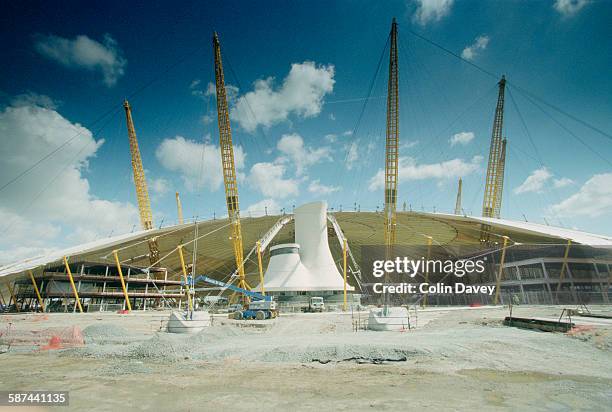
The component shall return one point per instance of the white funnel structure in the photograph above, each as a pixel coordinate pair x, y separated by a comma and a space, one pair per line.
306, 265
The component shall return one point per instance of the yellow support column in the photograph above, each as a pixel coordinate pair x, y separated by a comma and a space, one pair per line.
501, 269
2, 300
344, 248
74, 289
429, 241
563, 269
125, 292
11, 291
40, 301
180, 251
261, 277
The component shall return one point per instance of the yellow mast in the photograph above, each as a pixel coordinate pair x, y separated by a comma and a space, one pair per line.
142, 194
494, 181
227, 161
392, 141
179, 209
458, 202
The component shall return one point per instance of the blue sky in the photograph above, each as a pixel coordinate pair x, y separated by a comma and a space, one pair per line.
304, 69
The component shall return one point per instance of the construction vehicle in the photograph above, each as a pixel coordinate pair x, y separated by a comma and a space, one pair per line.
258, 306
315, 304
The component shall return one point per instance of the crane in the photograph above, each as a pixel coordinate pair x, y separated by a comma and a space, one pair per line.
392, 142
227, 162
142, 194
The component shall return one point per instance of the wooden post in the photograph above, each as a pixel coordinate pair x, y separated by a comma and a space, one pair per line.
40, 301
501, 269
180, 251
12, 292
261, 276
125, 292
74, 289
563, 269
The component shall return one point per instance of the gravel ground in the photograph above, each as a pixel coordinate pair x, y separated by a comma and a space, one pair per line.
456, 359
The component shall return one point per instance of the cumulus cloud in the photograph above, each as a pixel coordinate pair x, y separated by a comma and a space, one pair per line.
569, 8
593, 199
301, 93
461, 138
409, 169
563, 182
34, 99
431, 11
269, 179
471, 51
83, 52
51, 206
535, 181
199, 164
540, 179
318, 188
259, 209
294, 151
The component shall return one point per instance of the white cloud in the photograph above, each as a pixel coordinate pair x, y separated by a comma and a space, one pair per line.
409, 169
461, 138
293, 150
593, 199
535, 181
332, 116
429, 11
51, 206
199, 164
159, 186
563, 182
85, 53
471, 51
347, 133
269, 179
320, 189
568, 8
352, 154
539, 180
34, 99
301, 93
259, 209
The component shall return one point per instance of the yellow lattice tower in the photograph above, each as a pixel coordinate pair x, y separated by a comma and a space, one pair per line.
458, 202
142, 194
499, 182
179, 209
392, 141
490, 204
227, 161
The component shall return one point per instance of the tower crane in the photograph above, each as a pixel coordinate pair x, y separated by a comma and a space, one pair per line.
392, 142
227, 162
142, 194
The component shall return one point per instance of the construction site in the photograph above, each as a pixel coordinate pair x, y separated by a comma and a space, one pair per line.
183, 316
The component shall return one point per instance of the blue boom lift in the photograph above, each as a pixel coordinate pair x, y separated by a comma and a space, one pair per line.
260, 307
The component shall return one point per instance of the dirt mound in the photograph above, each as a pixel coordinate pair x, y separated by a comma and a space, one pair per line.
104, 332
